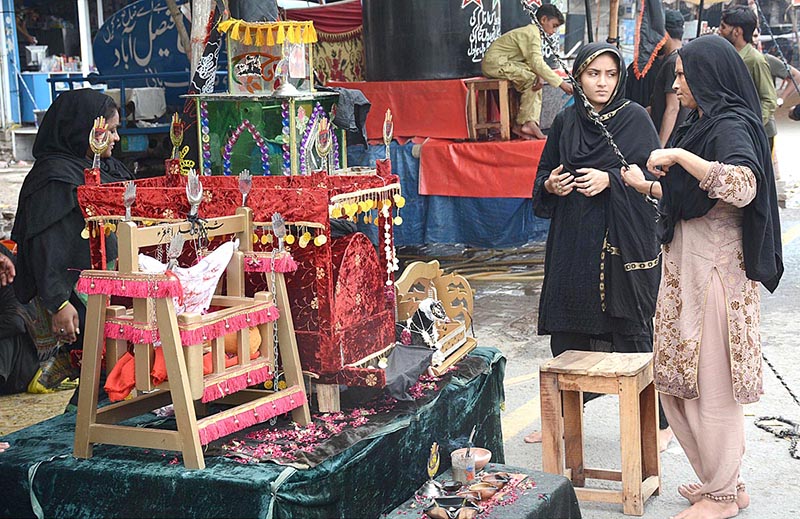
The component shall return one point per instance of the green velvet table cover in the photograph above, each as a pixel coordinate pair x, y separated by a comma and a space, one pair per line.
374, 475
552, 497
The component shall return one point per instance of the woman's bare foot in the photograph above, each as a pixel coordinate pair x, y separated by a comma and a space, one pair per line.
4, 446
709, 509
517, 130
534, 437
665, 436
689, 492
531, 128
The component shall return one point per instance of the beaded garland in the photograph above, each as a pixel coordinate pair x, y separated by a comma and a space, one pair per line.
205, 138
260, 142
286, 147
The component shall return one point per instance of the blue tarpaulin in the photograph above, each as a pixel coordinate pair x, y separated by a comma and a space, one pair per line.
475, 222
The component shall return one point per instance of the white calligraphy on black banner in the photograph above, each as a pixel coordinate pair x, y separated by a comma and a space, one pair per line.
484, 29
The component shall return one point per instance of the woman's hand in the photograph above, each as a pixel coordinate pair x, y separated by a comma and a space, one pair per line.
634, 177
7, 271
560, 184
65, 324
660, 160
592, 181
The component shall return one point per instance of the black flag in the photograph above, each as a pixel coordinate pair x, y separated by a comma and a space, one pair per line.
650, 35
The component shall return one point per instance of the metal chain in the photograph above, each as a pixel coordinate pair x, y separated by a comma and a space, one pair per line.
780, 379
792, 431
593, 115
275, 324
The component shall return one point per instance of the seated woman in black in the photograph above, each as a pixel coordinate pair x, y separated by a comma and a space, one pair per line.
602, 262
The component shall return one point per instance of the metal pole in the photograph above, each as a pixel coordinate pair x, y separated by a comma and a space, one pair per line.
613, 23
588, 7
699, 18
87, 60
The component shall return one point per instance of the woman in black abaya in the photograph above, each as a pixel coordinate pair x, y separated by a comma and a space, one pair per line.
49, 221
602, 261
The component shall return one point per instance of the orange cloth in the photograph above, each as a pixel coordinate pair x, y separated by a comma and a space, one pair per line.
494, 169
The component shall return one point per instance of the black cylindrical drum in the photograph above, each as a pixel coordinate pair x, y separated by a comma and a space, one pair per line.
433, 39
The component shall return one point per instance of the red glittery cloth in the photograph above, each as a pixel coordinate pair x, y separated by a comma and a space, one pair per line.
338, 292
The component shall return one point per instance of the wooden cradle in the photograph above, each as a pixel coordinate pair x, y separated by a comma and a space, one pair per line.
421, 280
182, 337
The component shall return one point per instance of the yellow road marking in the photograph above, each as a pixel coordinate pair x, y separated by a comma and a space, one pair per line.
520, 379
790, 234
520, 418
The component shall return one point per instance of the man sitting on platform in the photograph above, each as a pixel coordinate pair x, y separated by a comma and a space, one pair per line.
517, 57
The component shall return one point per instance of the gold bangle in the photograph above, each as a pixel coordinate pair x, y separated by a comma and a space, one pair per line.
63, 305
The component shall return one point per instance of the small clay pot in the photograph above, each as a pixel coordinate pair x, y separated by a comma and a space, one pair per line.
484, 490
482, 456
496, 480
451, 486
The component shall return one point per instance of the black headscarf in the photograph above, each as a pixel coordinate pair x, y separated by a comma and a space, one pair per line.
729, 131
626, 219
48, 197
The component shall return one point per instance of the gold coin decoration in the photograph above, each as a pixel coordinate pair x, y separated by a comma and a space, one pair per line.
398, 220
320, 240
255, 238
85, 233
289, 239
264, 239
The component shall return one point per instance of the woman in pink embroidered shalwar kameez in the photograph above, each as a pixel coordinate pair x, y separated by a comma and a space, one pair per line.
719, 225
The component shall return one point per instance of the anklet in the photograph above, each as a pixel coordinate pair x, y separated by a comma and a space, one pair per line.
721, 499
740, 487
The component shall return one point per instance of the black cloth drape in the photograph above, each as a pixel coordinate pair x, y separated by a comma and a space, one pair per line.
726, 128
49, 222
601, 264
18, 358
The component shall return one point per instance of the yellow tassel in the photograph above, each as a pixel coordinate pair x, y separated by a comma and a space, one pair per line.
235, 31
312, 38
259, 37
248, 37
281, 34
270, 38
298, 36
224, 26
307, 34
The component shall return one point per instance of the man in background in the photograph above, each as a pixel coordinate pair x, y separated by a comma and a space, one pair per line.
517, 57
737, 26
665, 109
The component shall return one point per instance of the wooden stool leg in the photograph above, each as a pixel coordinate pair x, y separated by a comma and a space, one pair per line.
552, 424
505, 122
472, 114
573, 435
483, 101
631, 441
179, 384
90, 375
651, 461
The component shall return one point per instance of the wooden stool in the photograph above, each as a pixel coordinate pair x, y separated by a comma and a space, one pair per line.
629, 375
478, 102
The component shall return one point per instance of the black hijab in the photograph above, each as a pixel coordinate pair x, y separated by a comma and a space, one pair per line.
49, 192
628, 289
729, 131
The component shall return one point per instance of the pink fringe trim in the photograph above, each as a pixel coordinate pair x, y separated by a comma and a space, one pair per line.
246, 419
143, 333
234, 384
263, 263
154, 286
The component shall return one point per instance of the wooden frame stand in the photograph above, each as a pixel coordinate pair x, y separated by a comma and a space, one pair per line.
628, 375
186, 385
